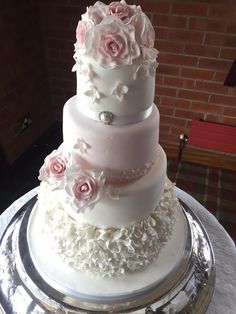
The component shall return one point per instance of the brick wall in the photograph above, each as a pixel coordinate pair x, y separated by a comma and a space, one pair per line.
23, 78
197, 44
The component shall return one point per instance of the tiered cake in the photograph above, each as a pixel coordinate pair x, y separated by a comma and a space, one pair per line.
105, 206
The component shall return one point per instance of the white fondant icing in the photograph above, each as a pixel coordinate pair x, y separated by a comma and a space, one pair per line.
110, 251
112, 148
140, 93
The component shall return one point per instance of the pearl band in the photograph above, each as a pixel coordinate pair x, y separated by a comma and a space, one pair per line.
108, 117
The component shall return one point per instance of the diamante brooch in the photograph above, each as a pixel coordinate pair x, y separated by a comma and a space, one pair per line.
106, 117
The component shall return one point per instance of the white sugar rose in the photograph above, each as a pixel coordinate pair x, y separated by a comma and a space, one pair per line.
54, 167
83, 187
145, 33
95, 13
112, 43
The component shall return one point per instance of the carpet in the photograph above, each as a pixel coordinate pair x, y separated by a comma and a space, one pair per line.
214, 188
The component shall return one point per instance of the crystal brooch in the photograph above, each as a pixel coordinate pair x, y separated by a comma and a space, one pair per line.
106, 117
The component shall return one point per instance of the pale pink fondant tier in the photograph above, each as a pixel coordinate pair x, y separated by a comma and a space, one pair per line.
121, 151
135, 200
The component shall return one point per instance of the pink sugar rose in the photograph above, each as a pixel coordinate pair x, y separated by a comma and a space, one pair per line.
120, 10
85, 188
81, 30
112, 43
54, 168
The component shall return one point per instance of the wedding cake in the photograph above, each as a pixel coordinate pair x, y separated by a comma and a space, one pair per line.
105, 207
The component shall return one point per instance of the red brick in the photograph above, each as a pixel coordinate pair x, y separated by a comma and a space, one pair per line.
179, 130
193, 95
219, 77
154, 6
231, 28
164, 110
220, 40
169, 21
170, 138
204, 24
189, 8
157, 99
198, 23
178, 82
168, 46
159, 79
175, 102
177, 59
232, 91
165, 91
173, 121
213, 118
229, 120
161, 33
228, 53
189, 114
186, 36
168, 69
222, 12
223, 100
230, 111
165, 129
211, 87
200, 50
206, 107
197, 73
214, 64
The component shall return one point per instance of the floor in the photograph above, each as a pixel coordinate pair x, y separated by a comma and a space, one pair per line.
214, 188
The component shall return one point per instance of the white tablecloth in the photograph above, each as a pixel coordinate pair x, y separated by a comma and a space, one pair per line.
224, 296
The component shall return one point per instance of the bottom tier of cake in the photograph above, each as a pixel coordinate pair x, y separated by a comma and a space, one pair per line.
106, 252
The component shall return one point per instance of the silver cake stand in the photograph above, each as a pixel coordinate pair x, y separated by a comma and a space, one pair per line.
24, 291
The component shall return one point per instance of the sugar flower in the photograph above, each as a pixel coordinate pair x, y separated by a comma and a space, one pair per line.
54, 167
119, 91
112, 43
83, 187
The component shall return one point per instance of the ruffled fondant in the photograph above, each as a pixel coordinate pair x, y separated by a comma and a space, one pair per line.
108, 252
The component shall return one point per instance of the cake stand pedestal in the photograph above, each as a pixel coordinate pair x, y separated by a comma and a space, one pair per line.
24, 291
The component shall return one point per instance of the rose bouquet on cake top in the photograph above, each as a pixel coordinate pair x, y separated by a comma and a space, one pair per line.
115, 34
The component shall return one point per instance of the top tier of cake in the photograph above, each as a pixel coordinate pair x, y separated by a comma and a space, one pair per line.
115, 63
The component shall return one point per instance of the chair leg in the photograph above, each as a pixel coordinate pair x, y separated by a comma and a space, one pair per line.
183, 138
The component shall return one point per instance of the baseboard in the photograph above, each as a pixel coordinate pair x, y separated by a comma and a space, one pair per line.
200, 156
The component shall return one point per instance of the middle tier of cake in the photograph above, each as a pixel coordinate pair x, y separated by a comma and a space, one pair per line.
122, 152
133, 201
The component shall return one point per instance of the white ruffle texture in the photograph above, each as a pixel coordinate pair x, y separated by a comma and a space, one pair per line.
110, 252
